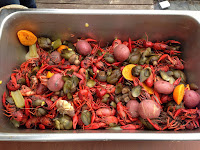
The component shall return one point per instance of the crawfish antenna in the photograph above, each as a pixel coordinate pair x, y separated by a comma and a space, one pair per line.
147, 36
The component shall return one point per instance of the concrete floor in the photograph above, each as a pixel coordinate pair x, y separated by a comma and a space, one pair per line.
180, 5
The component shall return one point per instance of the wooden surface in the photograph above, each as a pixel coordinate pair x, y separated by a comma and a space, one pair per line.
95, 4
102, 145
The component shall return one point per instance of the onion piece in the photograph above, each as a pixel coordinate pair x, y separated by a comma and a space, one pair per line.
18, 98
32, 52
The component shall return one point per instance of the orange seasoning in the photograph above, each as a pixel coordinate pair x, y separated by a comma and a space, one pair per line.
49, 74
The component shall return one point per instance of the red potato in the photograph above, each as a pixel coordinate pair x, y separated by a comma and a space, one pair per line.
148, 109
83, 47
55, 83
132, 106
191, 98
55, 57
163, 87
121, 52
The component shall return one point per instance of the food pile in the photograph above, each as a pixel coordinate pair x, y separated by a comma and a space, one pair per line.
134, 84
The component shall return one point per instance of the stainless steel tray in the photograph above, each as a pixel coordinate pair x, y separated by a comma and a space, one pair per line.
104, 25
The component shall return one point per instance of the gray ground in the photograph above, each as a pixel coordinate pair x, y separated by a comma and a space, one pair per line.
180, 5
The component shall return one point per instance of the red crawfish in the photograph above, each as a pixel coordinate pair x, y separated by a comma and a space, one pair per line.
47, 122
100, 92
95, 49
85, 97
116, 42
82, 83
28, 103
27, 65
110, 120
109, 87
24, 120
83, 72
48, 103
156, 126
77, 117
69, 67
34, 82
12, 84
11, 110
179, 119
102, 112
87, 62
30, 123
175, 61
123, 115
131, 127
161, 67
43, 68
100, 65
93, 126
17, 115
91, 61
42, 127
90, 40
51, 114
26, 91
150, 80
125, 43
162, 46
7, 106
166, 98
44, 56
41, 89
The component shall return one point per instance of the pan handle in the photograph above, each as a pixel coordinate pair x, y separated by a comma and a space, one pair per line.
195, 15
5, 12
